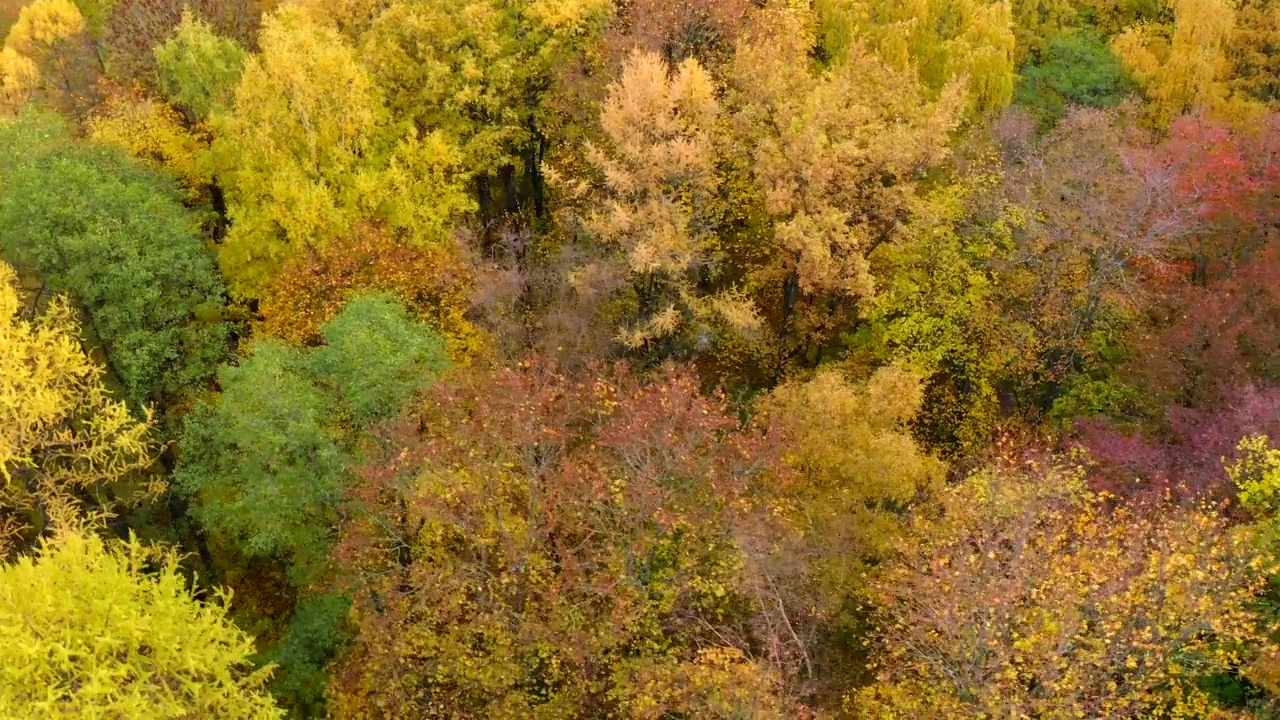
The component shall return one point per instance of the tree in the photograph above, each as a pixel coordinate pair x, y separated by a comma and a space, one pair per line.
536, 545
939, 309
199, 70
1254, 51
1036, 23
432, 282
854, 479
264, 464
114, 236
836, 155
1184, 68
266, 461
1034, 597
1097, 221
375, 357
89, 629
68, 451
48, 58
1184, 453
940, 41
478, 71
704, 30
308, 152
659, 178
133, 28
1076, 69
153, 132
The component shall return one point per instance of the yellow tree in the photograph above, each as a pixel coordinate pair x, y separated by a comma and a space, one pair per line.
1254, 51
48, 57
65, 445
1185, 68
478, 70
308, 152
659, 177
855, 477
854, 461
93, 630
835, 154
940, 40
1033, 597
1035, 21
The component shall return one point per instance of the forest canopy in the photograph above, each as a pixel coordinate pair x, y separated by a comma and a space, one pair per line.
648, 359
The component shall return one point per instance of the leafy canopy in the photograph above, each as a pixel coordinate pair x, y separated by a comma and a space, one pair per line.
266, 460
103, 631
115, 237
64, 442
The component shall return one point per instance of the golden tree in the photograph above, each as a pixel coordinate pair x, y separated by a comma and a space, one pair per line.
1185, 67
941, 41
1033, 597
154, 132
659, 177
835, 153
49, 58
65, 445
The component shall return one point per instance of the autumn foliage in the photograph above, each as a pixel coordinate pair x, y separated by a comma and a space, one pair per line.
640, 358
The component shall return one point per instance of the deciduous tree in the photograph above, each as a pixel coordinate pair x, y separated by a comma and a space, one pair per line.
89, 629
199, 70
114, 236
309, 151
1033, 597
432, 282
479, 72
534, 545
659, 178
48, 58
836, 154
940, 41
68, 451
1183, 66
266, 461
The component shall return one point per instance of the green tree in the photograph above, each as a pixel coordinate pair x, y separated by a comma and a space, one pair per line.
375, 356
266, 464
198, 69
1078, 68
95, 630
265, 461
115, 237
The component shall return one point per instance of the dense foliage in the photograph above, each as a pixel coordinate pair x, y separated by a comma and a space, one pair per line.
138, 644
640, 358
